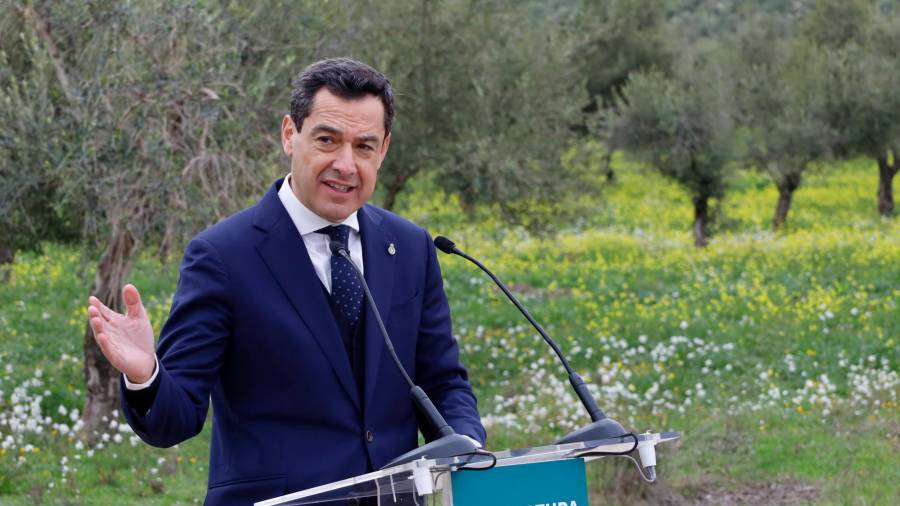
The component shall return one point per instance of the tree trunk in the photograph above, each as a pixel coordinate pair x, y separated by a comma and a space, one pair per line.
395, 184
392, 189
42, 29
7, 257
786, 187
607, 163
701, 220
166, 242
886, 172
7, 252
100, 377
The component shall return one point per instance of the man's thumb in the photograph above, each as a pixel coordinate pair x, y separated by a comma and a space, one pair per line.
133, 305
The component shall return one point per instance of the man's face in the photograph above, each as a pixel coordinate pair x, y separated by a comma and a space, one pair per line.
336, 155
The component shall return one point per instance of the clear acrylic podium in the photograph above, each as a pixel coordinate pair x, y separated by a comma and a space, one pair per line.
556, 468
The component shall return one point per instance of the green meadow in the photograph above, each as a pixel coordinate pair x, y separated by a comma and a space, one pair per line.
774, 354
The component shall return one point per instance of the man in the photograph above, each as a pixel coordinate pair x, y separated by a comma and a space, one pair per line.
274, 329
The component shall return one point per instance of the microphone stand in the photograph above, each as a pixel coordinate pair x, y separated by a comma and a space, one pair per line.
450, 444
601, 427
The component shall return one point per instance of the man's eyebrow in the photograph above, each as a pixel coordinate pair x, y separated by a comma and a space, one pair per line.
326, 128
369, 138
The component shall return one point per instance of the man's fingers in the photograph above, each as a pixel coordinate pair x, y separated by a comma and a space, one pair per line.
95, 320
132, 301
95, 304
105, 312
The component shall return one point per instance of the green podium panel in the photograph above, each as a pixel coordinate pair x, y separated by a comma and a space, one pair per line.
554, 483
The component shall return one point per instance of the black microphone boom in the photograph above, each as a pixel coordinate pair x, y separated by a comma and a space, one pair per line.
600, 427
450, 444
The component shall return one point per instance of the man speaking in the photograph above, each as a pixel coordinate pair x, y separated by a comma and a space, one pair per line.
275, 330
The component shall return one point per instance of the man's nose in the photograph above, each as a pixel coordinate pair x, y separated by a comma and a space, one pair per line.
345, 161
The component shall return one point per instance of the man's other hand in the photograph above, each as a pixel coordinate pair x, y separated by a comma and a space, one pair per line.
125, 340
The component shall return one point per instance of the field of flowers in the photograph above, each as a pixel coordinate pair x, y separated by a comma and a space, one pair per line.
776, 355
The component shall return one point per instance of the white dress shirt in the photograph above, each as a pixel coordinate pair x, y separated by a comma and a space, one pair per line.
307, 222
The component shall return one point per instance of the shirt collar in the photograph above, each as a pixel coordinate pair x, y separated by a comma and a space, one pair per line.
304, 219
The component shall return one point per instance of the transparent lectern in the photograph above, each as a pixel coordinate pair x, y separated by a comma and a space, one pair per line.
546, 475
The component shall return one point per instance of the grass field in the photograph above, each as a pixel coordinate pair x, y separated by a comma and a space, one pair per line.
776, 354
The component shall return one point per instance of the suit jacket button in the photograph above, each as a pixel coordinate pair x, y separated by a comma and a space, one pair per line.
370, 436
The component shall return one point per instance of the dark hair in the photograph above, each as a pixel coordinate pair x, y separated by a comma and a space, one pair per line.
346, 78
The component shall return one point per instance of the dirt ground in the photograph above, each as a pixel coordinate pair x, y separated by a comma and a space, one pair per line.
775, 493
627, 489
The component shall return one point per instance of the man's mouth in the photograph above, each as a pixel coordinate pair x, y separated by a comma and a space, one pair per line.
338, 187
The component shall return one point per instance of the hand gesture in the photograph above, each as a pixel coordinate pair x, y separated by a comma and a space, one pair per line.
126, 340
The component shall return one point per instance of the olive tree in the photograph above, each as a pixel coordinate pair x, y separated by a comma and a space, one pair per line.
857, 68
485, 96
616, 39
162, 139
779, 116
682, 127
32, 149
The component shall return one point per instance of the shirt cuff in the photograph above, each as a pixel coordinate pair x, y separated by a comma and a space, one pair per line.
141, 386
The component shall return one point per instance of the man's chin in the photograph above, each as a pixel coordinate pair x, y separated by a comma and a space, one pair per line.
337, 214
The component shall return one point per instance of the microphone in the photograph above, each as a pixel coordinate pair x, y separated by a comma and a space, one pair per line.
450, 444
647, 454
600, 427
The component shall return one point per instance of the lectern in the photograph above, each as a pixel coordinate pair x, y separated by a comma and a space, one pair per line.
543, 476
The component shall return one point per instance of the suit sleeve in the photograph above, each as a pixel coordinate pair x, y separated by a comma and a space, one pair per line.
191, 349
438, 369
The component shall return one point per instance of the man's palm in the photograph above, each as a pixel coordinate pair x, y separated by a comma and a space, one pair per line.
125, 339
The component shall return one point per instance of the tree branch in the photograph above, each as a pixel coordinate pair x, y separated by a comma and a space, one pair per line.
42, 29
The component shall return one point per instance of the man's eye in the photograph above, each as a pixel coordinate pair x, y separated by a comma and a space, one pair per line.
324, 139
366, 147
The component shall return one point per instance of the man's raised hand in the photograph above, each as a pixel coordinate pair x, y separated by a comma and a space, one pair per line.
125, 340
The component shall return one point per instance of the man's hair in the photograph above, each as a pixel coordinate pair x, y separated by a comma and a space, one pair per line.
346, 78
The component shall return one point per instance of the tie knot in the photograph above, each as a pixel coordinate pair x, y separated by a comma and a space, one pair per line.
338, 233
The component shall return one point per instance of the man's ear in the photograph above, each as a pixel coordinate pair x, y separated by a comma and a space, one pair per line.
385, 145
287, 134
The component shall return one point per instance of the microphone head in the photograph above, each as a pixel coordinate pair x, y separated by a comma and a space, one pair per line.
444, 244
337, 248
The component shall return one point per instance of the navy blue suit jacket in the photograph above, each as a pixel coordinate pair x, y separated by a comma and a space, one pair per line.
251, 328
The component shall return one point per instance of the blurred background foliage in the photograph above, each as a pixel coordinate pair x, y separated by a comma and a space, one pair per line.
123, 116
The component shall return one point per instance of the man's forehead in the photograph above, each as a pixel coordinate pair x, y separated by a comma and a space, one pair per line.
365, 112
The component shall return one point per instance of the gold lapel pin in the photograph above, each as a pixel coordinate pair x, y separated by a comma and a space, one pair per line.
392, 250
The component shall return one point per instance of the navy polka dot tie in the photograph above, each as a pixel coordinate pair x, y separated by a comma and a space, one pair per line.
346, 291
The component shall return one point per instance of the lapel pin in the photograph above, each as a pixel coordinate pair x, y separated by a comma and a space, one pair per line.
392, 250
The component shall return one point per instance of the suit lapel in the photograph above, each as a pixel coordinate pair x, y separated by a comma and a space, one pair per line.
379, 271
283, 251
